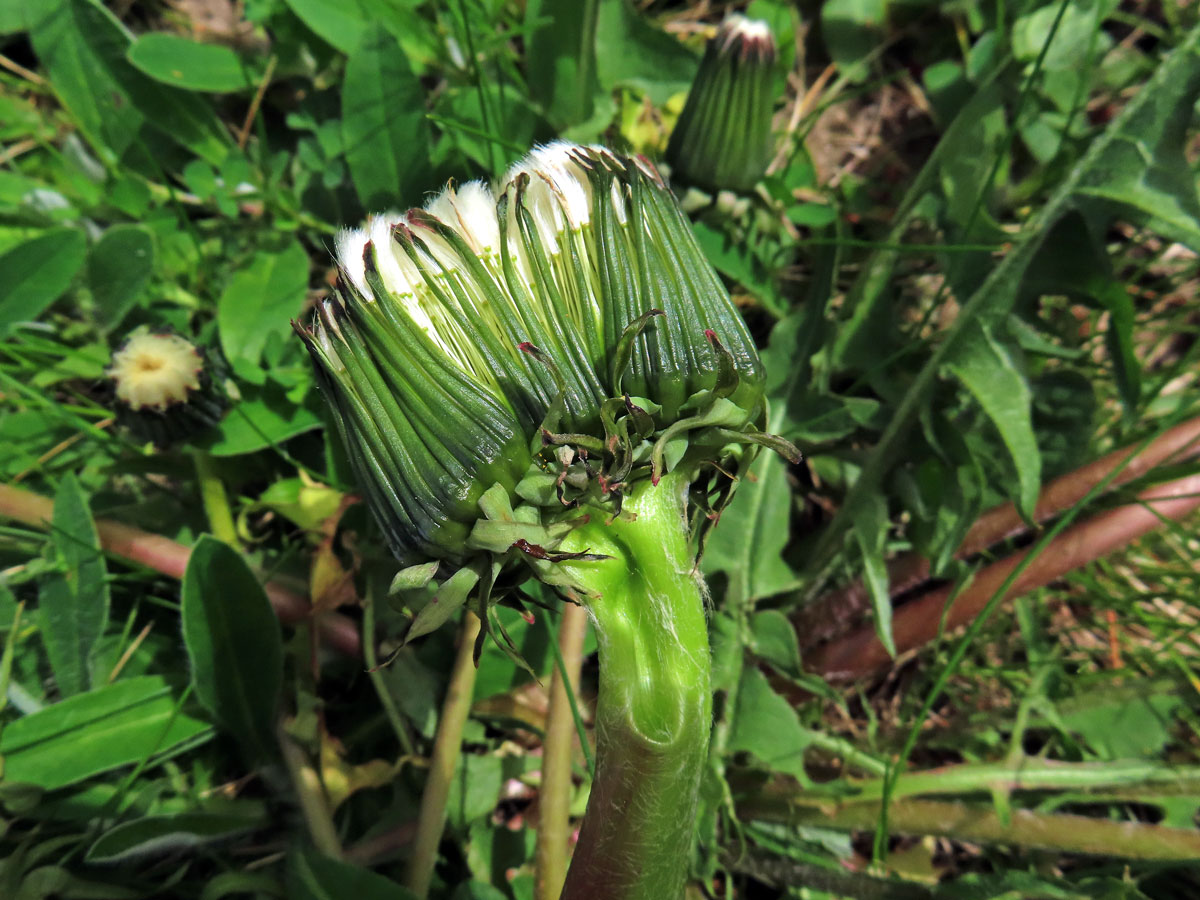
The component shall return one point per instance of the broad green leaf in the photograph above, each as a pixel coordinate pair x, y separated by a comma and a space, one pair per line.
16, 190
119, 265
73, 604
870, 530
631, 51
766, 725
240, 884
1119, 337
263, 417
505, 134
561, 58
749, 539
260, 301
25, 434
1126, 727
82, 48
987, 370
1178, 812
340, 23
120, 724
963, 181
233, 644
734, 259
1072, 262
775, 640
344, 23
36, 273
495, 857
865, 302
827, 417
1173, 87
415, 688
943, 497
448, 600
305, 503
23, 15
157, 835
190, 65
497, 673
1064, 419
1142, 164
311, 876
1069, 49
475, 790
852, 30
383, 124
812, 215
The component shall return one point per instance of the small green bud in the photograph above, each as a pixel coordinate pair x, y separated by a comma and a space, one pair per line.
499, 358
723, 140
163, 388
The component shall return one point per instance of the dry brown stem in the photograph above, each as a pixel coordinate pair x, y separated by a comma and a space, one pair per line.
832, 613
920, 621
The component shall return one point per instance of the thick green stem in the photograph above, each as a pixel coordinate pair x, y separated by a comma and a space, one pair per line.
654, 712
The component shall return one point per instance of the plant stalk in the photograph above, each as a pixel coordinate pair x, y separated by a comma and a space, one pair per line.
980, 823
431, 820
170, 558
215, 499
1024, 773
654, 711
832, 614
916, 623
310, 793
554, 822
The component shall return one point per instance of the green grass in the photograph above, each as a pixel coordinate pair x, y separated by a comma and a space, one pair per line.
972, 271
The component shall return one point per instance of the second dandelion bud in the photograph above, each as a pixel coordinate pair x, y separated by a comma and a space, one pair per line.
723, 138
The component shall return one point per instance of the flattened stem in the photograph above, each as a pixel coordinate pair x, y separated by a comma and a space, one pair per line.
654, 712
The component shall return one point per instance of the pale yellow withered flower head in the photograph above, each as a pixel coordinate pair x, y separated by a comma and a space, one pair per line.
155, 371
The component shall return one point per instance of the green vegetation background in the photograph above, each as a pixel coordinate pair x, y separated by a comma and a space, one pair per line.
972, 269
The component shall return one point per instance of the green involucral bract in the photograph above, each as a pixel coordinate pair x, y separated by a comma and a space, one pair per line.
723, 139
549, 380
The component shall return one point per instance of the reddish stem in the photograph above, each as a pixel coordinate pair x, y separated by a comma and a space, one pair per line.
170, 558
920, 621
834, 612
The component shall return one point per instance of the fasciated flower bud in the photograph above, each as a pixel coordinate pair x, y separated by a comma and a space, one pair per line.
499, 357
723, 140
163, 388
425, 440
